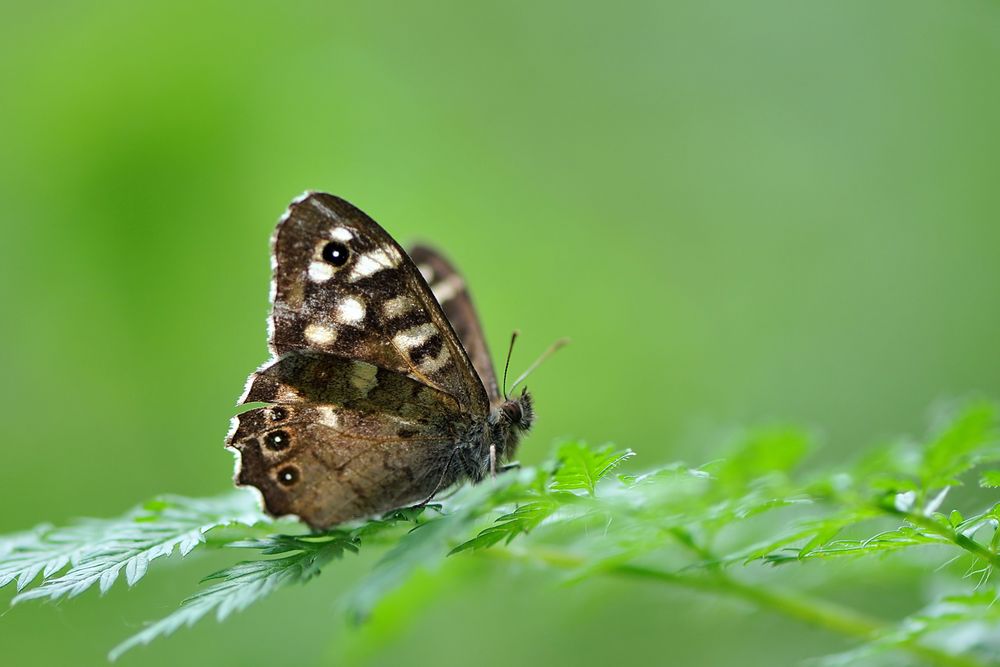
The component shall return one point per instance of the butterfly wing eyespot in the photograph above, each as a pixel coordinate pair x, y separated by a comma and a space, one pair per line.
277, 440
342, 464
335, 253
288, 475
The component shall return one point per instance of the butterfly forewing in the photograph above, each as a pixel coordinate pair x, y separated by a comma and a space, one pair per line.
449, 290
343, 286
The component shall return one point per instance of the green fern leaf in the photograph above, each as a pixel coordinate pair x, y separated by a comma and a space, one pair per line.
429, 543
581, 468
238, 587
960, 445
98, 551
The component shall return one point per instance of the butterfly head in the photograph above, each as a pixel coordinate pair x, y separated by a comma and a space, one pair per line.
518, 411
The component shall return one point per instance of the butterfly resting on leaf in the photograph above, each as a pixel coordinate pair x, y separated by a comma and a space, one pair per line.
381, 390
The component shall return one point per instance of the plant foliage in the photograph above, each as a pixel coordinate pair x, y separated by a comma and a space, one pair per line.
742, 526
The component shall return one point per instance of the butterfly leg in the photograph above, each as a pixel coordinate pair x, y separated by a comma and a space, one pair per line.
493, 461
437, 487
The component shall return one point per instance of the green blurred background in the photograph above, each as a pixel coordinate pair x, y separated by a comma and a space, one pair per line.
738, 211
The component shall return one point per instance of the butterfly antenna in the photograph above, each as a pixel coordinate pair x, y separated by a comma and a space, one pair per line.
562, 342
506, 365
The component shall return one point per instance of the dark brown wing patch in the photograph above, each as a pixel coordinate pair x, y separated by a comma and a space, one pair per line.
319, 378
328, 465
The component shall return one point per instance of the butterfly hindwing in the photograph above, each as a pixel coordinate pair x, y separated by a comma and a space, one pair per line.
327, 465
343, 286
342, 438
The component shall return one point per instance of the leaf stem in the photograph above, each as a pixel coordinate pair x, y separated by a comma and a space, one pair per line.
958, 539
820, 613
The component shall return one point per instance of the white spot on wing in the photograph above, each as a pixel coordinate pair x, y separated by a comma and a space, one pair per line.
328, 416
320, 272
365, 265
351, 310
398, 306
448, 288
426, 271
434, 364
341, 234
415, 336
372, 262
319, 334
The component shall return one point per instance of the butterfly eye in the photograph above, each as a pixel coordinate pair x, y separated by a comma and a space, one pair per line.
288, 475
512, 411
335, 253
277, 440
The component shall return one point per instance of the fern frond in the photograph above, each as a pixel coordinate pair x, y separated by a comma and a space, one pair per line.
581, 468
237, 587
426, 546
96, 552
961, 443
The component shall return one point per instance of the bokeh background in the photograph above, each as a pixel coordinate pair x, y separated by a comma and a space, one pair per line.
740, 212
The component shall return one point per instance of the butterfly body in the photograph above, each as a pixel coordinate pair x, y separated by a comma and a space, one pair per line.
381, 390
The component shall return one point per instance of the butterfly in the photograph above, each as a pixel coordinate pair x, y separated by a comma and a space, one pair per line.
381, 390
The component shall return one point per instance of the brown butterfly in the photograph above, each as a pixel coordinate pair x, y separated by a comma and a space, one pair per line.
381, 391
